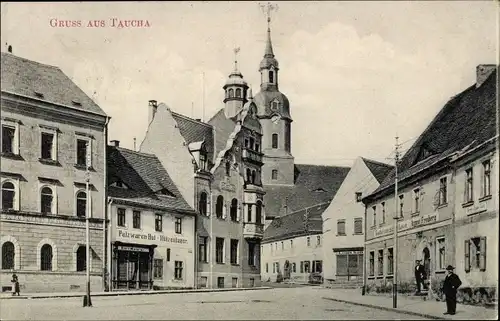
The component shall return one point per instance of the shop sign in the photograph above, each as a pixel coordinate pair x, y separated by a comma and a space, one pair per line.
133, 249
414, 222
150, 237
476, 208
226, 185
348, 252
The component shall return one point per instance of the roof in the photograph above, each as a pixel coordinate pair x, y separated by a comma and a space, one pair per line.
49, 83
378, 169
147, 180
195, 131
466, 120
304, 222
314, 184
223, 129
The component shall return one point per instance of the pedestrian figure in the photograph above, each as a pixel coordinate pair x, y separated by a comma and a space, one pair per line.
15, 285
450, 286
419, 275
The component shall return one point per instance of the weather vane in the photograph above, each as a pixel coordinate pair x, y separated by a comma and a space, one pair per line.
236, 50
267, 9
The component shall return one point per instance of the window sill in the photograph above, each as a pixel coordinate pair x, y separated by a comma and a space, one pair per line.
341, 234
372, 227
415, 214
485, 198
48, 161
442, 205
235, 264
11, 155
220, 263
357, 233
371, 277
379, 277
84, 167
467, 204
121, 226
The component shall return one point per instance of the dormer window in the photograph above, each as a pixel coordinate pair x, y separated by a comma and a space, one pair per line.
358, 196
38, 94
275, 105
76, 102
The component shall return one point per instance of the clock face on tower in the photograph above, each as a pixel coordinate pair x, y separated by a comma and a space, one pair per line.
275, 119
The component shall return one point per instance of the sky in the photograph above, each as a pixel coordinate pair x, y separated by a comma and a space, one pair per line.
356, 73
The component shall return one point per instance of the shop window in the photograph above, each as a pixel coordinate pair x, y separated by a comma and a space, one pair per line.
469, 187
372, 263
219, 250
120, 214
219, 207
251, 254
258, 213
202, 248
441, 253
158, 268
307, 267
8, 195
443, 190
136, 219
486, 184
475, 254
294, 267
179, 267
81, 204
202, 204
81, 258
46, 200
277, 267
341, 227
390, 261
9, 140
8, 256
358, 226
178, 225
158, 222
46, 258
234, 282
234, 210
380, 259
234, 252
317, 266
203, 282
275, 141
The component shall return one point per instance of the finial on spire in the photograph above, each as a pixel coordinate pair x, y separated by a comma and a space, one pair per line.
236, 50
267, 9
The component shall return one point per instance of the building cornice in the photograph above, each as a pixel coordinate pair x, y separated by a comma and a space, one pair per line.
132, 203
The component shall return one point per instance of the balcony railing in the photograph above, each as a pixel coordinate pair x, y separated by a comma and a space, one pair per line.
252, 156
253, 230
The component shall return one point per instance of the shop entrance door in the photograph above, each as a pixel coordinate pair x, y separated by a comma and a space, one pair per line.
133, 270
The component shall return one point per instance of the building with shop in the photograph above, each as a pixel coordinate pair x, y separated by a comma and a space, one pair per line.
152, 227
51, 132
435, 219
344, 224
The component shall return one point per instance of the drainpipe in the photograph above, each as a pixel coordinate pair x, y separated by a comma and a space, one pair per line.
363, 290
212, 239
110, 240
105, 207
195, 255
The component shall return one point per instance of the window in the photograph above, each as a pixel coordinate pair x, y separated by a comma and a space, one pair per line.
8, 256
9, 140
203, 161
307, 267
301, 266
294, 267
401, 205
219, 207
120, 213
81, 204
203, 282
318, 240
390, 261
219, 250
158, 222
81, 258
46, 200
238, 92
136, 219
291, 244
46, 258
251, 254
231, 93
271, 76
443, 191
234, 252
81, 152
358, 197
202, 203
372, 263
257, 147
288, 137
228, 168
416, 200
258, 213
178, 270
274, 267
234, 282
341, 227
249, 176
202, 248
317, 266
220, 282
282, 246
486, 186
441, 254
234, 210
308, 240
275, 141
178, 225
475, 254
267, 267
254, 177
8, 195
374, 223
380, 259
47, 151
168, 255
468, 185
158, 269
383, 212
252, 143
274, 174
249, 213
358, 226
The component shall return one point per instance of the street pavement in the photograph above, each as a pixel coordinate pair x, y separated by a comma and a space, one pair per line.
301, 303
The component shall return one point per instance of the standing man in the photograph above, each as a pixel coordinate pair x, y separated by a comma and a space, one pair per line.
419, 275
450, 286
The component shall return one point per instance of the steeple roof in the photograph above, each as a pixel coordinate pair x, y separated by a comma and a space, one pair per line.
269, 59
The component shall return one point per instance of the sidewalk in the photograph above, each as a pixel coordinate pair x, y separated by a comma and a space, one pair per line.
7, 296
427, 309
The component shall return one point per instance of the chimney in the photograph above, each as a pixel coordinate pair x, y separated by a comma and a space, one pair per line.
153, 106
9, 49
198, 119
483, 72
115, 143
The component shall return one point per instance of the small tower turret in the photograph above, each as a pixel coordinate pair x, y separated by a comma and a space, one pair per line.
235, 90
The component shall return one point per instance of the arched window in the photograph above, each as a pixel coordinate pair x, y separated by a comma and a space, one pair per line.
238, 92
46, 258
234, 210
202, 204
249, 213
81, 204
231, 93
274, 174
8, 256
46, 200
258, 212
249, 175
81, 258
254, 177
275, 141
228, 168
219, 207
8, 194
271, 76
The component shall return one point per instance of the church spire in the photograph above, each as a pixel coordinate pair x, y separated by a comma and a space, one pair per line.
269, 61
269, 46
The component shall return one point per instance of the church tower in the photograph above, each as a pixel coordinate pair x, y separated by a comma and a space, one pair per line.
274, 114
235, 91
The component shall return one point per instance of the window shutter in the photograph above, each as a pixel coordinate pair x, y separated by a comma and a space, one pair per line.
238, 214
224, 211
467, 255
482, 254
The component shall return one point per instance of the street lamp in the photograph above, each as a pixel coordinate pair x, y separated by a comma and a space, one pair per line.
86, 299
396, 218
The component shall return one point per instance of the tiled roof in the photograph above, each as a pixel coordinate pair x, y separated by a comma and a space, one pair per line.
469, 118
147, 181
195, 131
314, 184
25, 77
378, 169
296, 224
223, 129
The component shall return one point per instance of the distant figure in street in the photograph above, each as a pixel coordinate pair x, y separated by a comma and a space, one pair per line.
419, 275
15, 285
450, 286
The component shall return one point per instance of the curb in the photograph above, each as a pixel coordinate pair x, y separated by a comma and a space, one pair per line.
429, 316
124, 293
